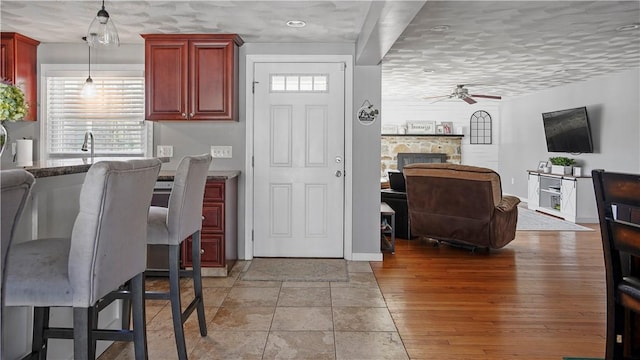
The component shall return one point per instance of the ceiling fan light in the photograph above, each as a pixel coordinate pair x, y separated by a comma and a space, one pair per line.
102, 31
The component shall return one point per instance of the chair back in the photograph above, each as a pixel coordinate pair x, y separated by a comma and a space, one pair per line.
185, 202
618, 202
108, 240
15, 187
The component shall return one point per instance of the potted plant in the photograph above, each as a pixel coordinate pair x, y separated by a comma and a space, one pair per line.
13, 107
561, 165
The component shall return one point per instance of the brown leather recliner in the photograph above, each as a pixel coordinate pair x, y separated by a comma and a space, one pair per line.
460, 204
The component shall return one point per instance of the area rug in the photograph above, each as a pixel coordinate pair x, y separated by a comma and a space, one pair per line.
533, 220
279, 269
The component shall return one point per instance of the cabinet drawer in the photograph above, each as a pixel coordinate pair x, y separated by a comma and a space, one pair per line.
210, 251
213, 217
214, 191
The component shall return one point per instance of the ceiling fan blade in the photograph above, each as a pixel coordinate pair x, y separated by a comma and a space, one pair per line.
442, 99
488, 96
436, 97
469, 100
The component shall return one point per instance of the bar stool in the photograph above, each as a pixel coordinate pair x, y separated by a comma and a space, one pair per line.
171, 226
15, 187
107, 248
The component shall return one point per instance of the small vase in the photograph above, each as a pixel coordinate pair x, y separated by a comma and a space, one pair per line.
3, 138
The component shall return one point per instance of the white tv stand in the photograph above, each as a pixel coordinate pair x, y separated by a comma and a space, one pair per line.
569, 197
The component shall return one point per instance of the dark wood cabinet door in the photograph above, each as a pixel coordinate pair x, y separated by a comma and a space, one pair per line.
166, 79
211, 251
19, 65
211, 80
213, 218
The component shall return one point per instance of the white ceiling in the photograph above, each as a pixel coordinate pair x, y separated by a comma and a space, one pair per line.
506, 48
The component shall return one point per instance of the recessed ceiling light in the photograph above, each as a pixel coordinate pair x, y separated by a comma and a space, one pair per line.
628, 27
440, 28
428, 71
296, 23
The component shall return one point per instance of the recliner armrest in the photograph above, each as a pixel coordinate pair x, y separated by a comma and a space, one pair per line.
507, 203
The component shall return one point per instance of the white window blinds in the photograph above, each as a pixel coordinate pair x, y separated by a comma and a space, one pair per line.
115, 116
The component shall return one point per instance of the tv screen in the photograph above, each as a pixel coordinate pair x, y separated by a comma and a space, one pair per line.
568, 131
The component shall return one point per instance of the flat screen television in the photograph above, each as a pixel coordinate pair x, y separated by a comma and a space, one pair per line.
568, 131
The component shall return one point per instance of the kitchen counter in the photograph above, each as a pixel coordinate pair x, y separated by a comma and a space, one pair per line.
56, 167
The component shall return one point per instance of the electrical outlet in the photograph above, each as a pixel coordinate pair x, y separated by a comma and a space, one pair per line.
164, 151
222, 151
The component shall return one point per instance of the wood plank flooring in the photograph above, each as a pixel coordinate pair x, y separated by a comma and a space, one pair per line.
540, 297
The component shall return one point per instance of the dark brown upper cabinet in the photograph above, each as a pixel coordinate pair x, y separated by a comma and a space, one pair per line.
191, 77
19, 64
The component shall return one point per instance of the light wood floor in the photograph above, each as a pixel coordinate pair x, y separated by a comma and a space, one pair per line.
541, 297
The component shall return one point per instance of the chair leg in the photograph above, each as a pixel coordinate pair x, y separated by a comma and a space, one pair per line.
82, 334
174, 295
126, 309
139, 325
40, 323
197, 282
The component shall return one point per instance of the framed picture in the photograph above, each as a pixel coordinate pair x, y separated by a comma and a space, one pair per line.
447, 127
389, 129
440, 129
421, 127
542, 165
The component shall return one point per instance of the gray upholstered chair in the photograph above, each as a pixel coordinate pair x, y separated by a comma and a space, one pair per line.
15, 187
171, 226
107, 248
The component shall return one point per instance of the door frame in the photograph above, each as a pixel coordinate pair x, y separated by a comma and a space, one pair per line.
251, 60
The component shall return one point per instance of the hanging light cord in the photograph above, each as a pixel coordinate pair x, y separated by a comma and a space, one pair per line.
85, 39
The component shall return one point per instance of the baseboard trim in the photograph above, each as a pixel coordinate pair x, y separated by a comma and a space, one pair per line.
366, 256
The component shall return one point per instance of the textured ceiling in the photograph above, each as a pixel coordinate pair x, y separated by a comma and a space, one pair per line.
509, 48
254, 21
506, 48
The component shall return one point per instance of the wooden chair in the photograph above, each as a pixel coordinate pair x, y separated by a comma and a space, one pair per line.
618, 201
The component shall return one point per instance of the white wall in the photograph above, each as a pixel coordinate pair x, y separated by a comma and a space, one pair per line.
612, 103
457, 111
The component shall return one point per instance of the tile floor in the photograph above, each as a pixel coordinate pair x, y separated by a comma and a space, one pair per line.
277, 320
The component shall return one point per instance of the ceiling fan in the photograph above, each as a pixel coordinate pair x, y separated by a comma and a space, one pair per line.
460, 92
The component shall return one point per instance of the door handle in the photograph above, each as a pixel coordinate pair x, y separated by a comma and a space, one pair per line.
338, 173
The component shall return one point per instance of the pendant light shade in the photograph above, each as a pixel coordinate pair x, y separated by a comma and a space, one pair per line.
102, 31
89, 88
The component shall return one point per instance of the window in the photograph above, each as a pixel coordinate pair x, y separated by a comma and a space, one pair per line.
115, 115
299, 83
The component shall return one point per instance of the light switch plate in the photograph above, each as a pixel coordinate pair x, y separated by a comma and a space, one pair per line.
164, 151
222, 151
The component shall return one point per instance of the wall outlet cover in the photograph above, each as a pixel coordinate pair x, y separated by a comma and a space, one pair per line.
164, 151
222, 151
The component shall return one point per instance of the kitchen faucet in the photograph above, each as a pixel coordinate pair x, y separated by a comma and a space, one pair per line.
86, 139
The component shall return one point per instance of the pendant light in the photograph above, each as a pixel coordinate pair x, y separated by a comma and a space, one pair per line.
102, 31
89, 88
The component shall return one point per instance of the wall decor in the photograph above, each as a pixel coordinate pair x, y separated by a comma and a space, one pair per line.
447, 127
480, 129
367, 114
440, 129
421, 127
390, 129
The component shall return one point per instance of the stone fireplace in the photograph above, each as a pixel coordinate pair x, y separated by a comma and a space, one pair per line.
391, 145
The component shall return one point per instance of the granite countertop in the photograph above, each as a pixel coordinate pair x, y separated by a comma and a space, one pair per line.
167, 175
56, 167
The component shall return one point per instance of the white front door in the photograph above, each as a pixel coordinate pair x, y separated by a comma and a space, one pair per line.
298, 160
